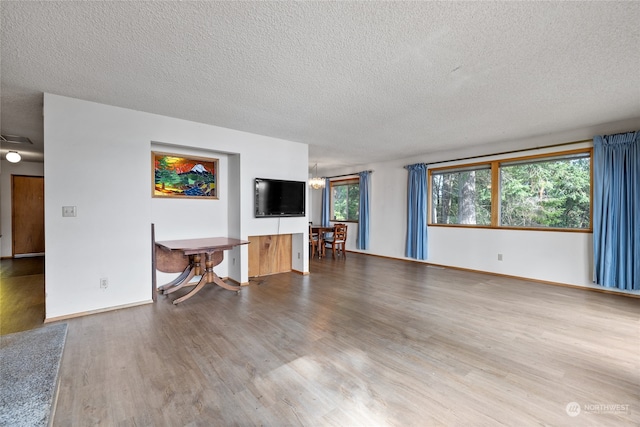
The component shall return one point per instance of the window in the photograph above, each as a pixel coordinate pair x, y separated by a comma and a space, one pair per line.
547, 193
543, 192
462, 196
345, 199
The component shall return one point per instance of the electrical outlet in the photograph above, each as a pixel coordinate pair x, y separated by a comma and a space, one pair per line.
298, 255
69, 211
104, 283
234, 261
499, 257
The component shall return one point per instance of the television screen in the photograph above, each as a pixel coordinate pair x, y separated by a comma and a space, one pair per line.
276, 197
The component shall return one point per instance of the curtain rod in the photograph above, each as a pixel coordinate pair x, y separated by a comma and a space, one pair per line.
347, 174
509, 152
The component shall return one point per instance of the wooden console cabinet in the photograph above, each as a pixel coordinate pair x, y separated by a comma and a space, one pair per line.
269, 254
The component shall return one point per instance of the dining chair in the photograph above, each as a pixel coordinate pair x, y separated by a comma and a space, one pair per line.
314, 243
337, 240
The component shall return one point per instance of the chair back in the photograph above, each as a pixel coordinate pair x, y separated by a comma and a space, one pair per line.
312, 235
340, 233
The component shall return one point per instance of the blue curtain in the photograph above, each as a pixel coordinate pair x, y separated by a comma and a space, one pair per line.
616, 210
417, 211
363, 211
326, 201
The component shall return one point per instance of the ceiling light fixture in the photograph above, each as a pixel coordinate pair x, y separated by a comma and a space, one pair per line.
13, 157
316, 182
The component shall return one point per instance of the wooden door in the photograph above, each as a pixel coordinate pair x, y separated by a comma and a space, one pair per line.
27, 214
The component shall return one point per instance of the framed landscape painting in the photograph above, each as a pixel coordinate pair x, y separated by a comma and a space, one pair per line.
179, 176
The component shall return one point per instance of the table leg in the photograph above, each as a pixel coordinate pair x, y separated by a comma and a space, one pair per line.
218, 281
208, 276
180, 285
178, 281
212, 276
192, 270
192, 292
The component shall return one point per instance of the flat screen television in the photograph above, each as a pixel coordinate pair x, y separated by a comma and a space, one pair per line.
276, 197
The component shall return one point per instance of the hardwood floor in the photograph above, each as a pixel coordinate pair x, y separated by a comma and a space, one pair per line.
364, 341
21, 294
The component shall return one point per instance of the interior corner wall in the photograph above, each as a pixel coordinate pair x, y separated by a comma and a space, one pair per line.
239, 253
98, 158
315, 206
6, 171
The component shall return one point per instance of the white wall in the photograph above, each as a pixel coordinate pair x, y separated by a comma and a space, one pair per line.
98, 158
315, 205
7, 169
559, 257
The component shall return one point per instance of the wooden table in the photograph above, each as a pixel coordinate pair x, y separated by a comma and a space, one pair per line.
321, 229
211, 249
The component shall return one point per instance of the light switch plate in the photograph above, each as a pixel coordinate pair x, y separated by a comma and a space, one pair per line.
68, 211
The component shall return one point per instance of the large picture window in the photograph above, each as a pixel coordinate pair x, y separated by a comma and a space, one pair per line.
542, 192
345, 200
461, 196
546, 193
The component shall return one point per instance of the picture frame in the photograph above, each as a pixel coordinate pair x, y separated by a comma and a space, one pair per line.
182, 176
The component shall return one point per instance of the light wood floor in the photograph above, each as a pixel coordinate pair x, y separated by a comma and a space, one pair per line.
364, 341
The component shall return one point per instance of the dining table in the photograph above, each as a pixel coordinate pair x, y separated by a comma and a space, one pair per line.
321, 230
209, 249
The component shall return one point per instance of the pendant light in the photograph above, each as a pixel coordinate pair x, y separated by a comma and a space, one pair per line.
316, 182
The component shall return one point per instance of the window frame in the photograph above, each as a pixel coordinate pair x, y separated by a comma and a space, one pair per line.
340, 183
459, 168
495, 166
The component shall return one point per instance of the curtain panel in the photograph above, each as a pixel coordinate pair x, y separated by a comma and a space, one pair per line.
363, 211
326, 203
417, 212
616, 210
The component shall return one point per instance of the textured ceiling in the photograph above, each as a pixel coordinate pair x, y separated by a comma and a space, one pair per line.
357, 81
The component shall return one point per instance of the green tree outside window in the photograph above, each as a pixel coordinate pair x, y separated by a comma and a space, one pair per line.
543, 192
345, 200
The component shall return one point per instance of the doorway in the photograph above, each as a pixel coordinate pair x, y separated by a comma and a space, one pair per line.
27, 215
21, 294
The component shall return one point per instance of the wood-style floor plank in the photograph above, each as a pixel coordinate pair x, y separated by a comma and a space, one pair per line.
21, 294
364, 341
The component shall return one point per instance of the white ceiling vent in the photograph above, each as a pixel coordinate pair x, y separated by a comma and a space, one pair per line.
15, 139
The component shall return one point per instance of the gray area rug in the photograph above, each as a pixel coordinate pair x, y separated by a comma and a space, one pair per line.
29, 363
